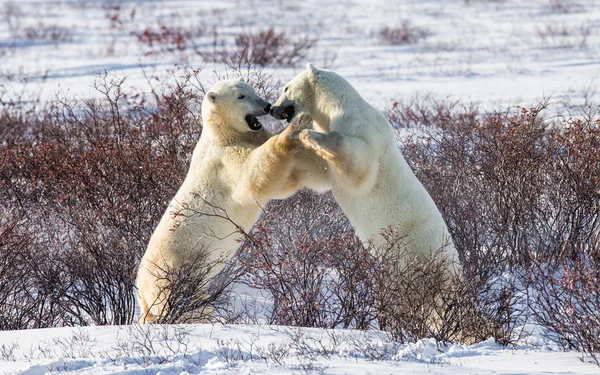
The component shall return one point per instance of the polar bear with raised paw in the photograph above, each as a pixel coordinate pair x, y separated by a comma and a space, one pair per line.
236, 167
369, 177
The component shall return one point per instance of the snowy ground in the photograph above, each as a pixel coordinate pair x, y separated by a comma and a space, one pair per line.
496, 53
208, 349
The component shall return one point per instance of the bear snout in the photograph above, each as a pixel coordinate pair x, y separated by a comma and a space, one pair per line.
276, 112
283, 113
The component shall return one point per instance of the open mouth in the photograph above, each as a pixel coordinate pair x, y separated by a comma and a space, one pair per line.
289, 113
253, 122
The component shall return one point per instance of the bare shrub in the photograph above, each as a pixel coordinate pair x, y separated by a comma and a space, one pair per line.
516, 191
317, 271
156, 343
165, 38
7, 351
267, 47
231, 351
273, 352
565, 37
79, 345
12, 14
414, 293
564, 7
372, 350
422, 297
188, 293
566, 300
405, 34
564, 294
92, 177
118, 17
427, 111
19, 303
475, 170
47, 33
263, 48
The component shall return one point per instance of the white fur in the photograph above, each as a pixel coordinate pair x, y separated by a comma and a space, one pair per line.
234, 171
370, 179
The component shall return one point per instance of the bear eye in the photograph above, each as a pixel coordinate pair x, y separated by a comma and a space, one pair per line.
285, 89
241, 96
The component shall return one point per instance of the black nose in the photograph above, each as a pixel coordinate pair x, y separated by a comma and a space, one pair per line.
268, 108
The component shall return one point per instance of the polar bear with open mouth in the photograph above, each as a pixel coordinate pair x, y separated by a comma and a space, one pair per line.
370, 179
236, 167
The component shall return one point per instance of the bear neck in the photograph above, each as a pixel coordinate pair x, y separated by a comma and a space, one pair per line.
324, 112
218, 127
219, 130
332, 96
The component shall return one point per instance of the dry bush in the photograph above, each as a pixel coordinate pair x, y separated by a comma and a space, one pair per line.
263, 48
564, 7
565, 299
47, 33
160, 344
412, 293
267, 47
564, 281
304, 254
12, 14
405, 34
90, 180
487, 176
516, 191
419, 297
189, 293
565, 37
427, 111
119, 17
165, 38
84, 183
18, 300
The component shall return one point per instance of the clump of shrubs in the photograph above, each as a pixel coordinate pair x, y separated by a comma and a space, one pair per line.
268, 47
404, 34
84, 185
84, 182
165, 38
520, 195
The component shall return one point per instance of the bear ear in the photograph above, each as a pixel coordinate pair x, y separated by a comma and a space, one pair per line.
311, 69
241, 79
212, 97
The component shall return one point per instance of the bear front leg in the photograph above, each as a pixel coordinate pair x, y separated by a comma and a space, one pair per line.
354, 160
292, 132
326, 145
268, 167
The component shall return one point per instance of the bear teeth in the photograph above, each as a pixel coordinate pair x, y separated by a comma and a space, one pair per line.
253, 122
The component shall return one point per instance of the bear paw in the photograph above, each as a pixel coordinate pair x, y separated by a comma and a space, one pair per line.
312, 139
302, 121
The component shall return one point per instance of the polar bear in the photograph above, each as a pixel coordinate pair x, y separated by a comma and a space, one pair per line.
370, 179
236, 167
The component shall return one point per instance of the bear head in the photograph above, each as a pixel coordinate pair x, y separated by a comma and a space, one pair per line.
297, 97
236, 104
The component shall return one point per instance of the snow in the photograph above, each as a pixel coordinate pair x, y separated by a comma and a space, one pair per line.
497, 53
256, 349
494, 53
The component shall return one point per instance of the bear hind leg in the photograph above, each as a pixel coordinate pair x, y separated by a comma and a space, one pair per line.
145, 314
